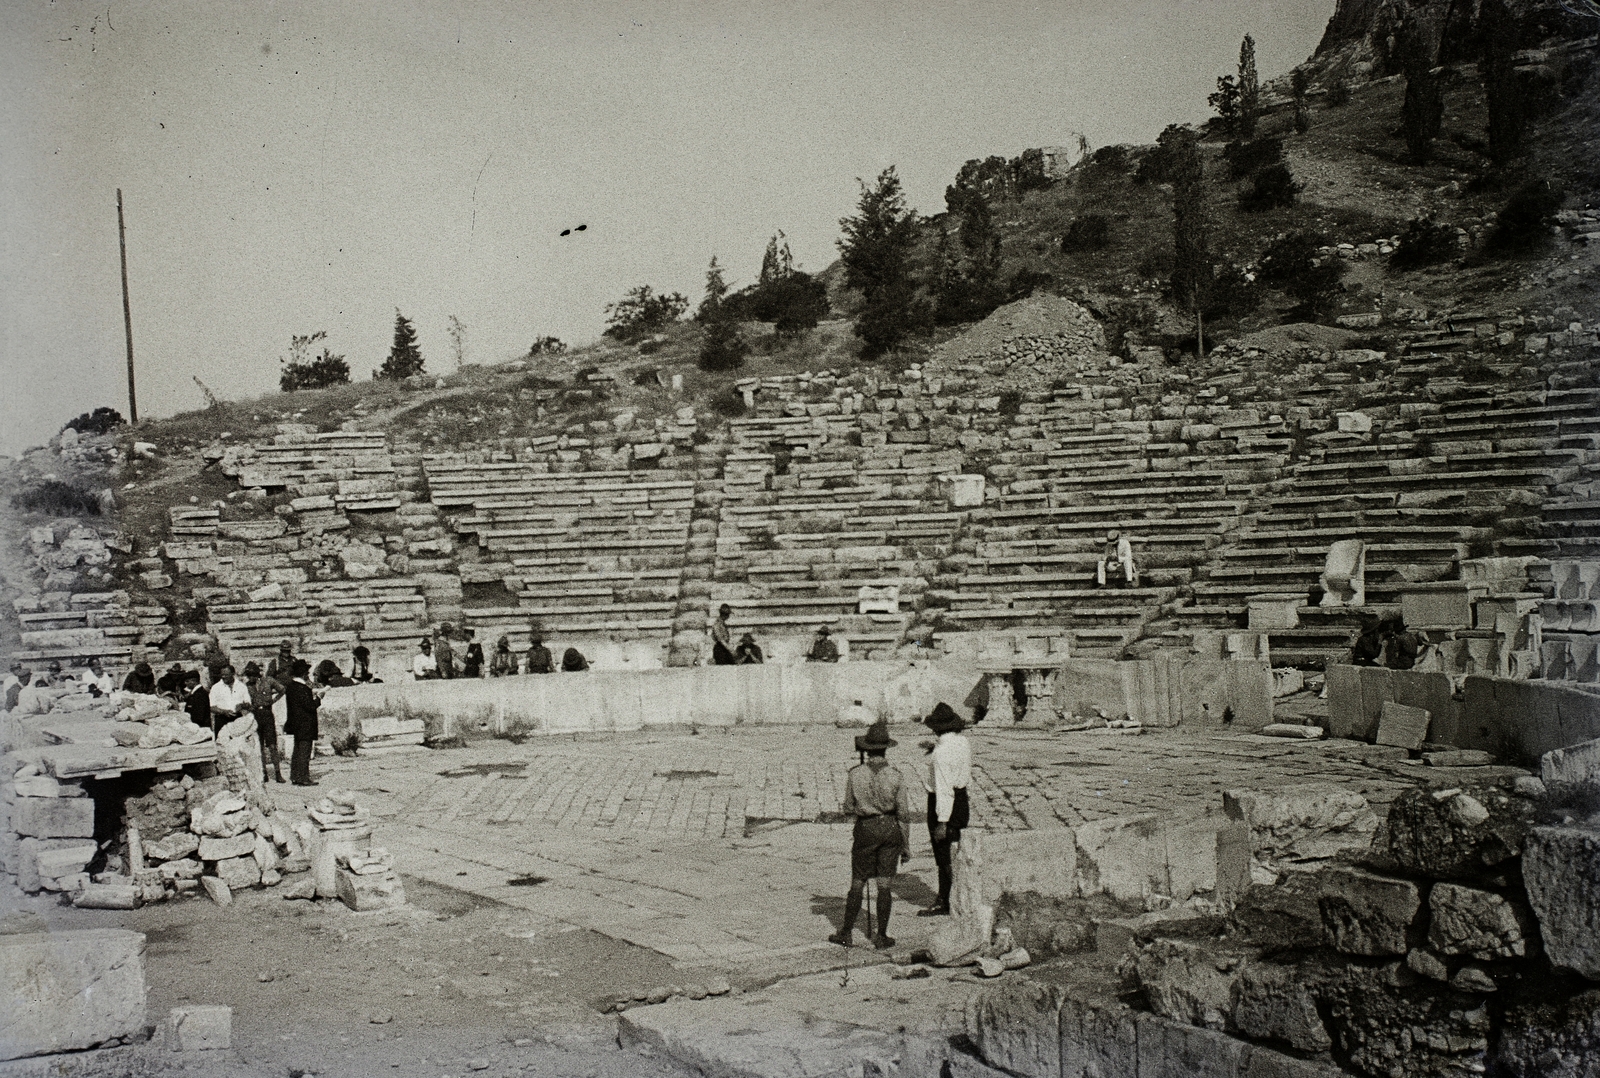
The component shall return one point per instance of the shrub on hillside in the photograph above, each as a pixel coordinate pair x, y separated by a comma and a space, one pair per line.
57, 499
1089, 232
641, 312
793, 303
1110, 158
1424, 242
1231, 293
1245, 157
98, 421
1338, 94
1272, 187
326, 370
547, 346
405, 358
1295, 265
1023, 283
1524, 222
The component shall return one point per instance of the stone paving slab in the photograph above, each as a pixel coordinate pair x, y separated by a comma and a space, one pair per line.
644, 836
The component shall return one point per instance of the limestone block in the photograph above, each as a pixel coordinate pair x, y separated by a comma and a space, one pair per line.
54, 817
1345, 715
219, 892
1016, 1026
1098, 1040
362, 892
1367, 914
1575, 765
1190, 983
962, 491
1302, 823
45, 786
1402, 726
220, 849
1478, 924
1274, 1002
199, 1029
239, 872
177, 844
186, 868
1354, 422
1274, 614
1458, 833
59, 862
1561, 869
106, 896
69, 990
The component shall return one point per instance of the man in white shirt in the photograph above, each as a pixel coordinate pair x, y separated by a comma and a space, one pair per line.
424, 667
230, 698
949, 770
96, 679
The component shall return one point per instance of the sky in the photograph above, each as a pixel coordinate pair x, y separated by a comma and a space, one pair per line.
290, 167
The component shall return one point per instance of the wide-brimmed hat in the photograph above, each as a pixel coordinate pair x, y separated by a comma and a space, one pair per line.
944, 720
822, 631
876, 738
252, 670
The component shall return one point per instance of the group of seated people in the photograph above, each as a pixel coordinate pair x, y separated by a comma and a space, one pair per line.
1386, 643
748, 652
435, 658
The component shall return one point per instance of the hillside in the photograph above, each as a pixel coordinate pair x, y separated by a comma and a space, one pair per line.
585, 496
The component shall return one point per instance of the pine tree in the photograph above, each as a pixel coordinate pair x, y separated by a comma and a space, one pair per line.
405, 358
1502, 92
876, 252
1191, 265
1299, 90
723, 347
769, 263
1422, 112
1249, 88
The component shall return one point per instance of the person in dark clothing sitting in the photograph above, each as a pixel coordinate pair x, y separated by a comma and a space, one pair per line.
140, 679
539, 661
197, 700
823, 649
748, 652
328, 675
1368, 648
172, 681
573, 661
1400, 652
361, 667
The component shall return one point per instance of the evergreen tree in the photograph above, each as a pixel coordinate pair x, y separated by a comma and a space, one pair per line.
1182, 167
723, 347
876, 252
1249, 88
1423, 109
405, 358
769, 263
1226, 102
1299, 89
1497, 66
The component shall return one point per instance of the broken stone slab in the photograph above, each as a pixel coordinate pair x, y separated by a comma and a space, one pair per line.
238, 873
1402, 726
65, 991
1459, 833
1575, 765
106, 896
1274, 1002
1458, 758
193, 1028
1367, 914
306, 888
1427, 964
53, 817
1287, 729
185, 868
1561, 870
1302, 823
220, 849
1478, 924
1190, 982
219, 892
370, 892
1015, 1026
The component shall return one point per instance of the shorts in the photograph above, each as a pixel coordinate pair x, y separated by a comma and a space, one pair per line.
875, 849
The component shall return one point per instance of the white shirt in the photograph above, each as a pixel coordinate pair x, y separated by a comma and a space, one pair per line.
104, 682
949, 769
232, 699
423, 665
36, 698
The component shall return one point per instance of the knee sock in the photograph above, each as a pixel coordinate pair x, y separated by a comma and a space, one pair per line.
946, 881
885, 902
852, 909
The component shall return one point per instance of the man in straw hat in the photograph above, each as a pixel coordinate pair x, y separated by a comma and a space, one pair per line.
878, 796
949, 770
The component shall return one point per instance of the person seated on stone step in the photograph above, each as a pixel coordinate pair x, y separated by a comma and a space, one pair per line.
722, 639
1368, 648
35, 697
97, 680
171, 683
361, 667
141, 679
573, 661
196, 699
1401, 649
328, 676
749, 652
1115, 567
443, 654
472, 661
878, 795
823, 649
539, 660
502, 663
424, 667
14, 683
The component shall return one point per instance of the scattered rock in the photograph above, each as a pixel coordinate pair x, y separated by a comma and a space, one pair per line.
1478, 924
1367, 914
990, 967
1472, 979
219, 892
1427, 964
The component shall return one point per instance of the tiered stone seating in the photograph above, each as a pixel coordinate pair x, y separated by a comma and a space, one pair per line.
324, 620
86, 626
330, 473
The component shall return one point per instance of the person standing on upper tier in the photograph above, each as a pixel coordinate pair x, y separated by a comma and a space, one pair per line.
949, 771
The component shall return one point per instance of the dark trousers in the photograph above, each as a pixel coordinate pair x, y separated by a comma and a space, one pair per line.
721, 656
942, 854
300, 761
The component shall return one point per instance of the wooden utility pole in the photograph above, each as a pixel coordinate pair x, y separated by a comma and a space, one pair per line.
127, 311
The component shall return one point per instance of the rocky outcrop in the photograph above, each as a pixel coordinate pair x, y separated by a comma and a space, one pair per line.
1561, 870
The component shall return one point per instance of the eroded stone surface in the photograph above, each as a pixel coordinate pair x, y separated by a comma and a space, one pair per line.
1554, 1040
1367, 914
1190, 982
1478, 924
1387, 1027
1274, 1002
1561, 869
1456, 834
62, 991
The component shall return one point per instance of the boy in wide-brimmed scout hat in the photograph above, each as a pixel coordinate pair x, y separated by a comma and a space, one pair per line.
878, 796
